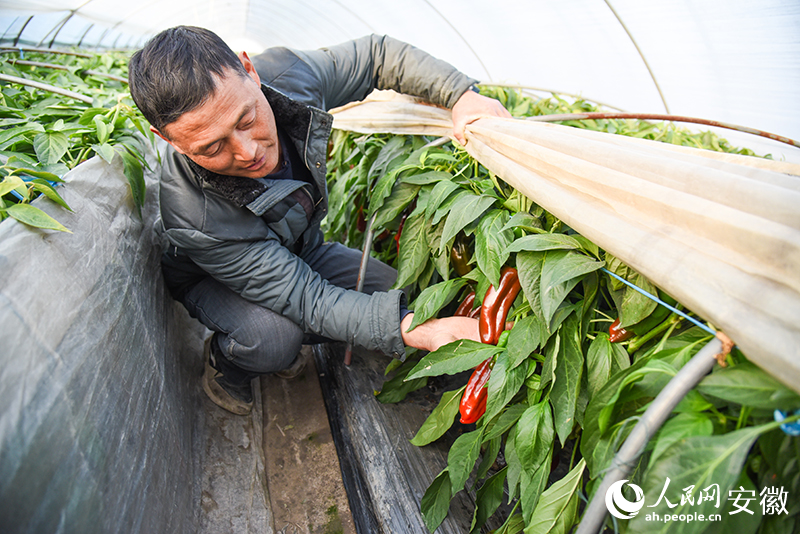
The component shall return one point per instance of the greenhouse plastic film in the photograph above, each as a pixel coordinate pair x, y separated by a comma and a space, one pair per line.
720, 236
103, 427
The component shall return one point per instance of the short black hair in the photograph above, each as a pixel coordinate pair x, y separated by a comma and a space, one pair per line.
175, 72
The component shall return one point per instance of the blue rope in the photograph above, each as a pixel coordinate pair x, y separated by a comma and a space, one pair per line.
655, 298
792, 428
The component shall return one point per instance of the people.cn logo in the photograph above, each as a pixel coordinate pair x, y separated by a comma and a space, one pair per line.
621, 507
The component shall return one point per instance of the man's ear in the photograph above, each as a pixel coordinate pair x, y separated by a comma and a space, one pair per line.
249, 67
164, 137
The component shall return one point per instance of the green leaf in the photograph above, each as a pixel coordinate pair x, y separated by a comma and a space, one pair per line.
105, 151
436, 501
395, 389
445, 207
400, 197
391, 151
558, 507
503, 384
541, 242
488, 455
441, 418
431, 300
513, 525
526, 221
464, 211
11, 183
634, 306
49, 191
440, 192
699, 462
527, 335
12, 135
746, 384
33, 216
506, 420
568, 372
462, 457
679, 427
550, 361
134, 172
534, 446
514, 465
561, 271
103, 130
488, 499
635, 375
453, 358
599, 360
529, 267
742, 522
490, 244
593, 432
50, 147
414, 251
428, 177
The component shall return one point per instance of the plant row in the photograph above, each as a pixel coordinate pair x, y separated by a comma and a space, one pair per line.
44, 133
544, 409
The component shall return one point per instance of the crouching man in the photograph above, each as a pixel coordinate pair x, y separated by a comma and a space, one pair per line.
243, 191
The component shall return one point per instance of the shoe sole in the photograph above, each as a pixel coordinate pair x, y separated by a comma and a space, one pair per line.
214, 391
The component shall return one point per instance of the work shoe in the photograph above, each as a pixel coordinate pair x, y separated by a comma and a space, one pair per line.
294, 370
236, 396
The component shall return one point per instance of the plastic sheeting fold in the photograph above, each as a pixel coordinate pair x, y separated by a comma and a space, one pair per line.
721, 234
103, 426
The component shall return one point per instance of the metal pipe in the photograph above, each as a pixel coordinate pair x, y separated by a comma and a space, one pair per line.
552, 91
650, 422
660, 117
9, 50
368, 237
46, 87
641, 54
63, 67
362, 272
19, 35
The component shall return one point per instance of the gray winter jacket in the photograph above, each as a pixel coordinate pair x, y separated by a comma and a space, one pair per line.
253, 236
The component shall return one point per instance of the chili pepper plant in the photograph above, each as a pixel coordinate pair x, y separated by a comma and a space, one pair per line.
563, 390
44, 133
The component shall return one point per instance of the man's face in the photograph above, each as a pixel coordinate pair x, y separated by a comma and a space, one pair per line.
233, 133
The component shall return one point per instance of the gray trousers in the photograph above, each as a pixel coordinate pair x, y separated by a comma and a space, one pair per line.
257, 340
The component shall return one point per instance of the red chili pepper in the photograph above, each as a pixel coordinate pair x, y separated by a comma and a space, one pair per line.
465, 308
473, 401
617, 334
496, 305
400, 231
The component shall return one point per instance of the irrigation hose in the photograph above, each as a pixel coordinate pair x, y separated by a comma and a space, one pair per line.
650, 422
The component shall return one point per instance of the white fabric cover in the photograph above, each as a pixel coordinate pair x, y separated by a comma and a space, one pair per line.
720, 233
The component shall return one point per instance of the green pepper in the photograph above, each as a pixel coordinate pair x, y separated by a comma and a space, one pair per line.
460, 255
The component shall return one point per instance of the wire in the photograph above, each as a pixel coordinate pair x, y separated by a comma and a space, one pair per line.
655, 298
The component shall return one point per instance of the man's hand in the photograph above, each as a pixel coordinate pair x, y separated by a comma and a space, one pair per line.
470, 107
434, 333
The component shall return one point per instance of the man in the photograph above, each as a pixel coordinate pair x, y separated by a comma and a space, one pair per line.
243, 192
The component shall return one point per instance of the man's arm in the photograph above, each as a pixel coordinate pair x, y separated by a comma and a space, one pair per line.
351, 70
